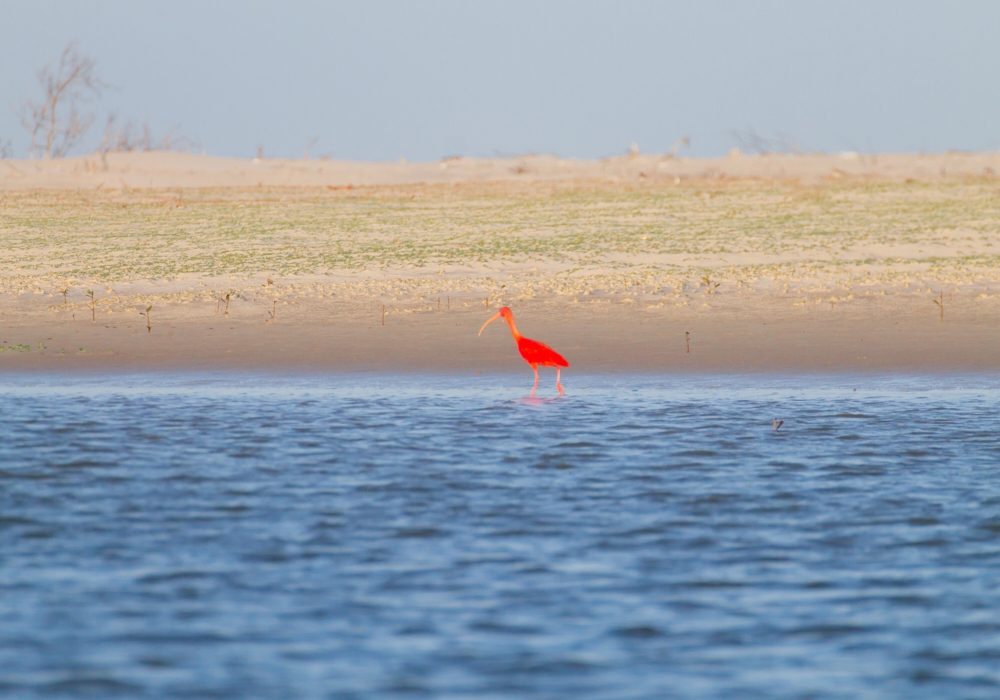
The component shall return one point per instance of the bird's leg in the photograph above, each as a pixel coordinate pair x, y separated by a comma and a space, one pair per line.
534, 367
559, 386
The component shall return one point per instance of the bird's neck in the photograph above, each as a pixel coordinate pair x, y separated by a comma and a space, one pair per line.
513, 328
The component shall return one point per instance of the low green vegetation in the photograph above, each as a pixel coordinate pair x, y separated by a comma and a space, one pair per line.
536, 238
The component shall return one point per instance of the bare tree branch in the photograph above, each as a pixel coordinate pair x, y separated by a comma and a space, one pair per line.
305, 153
56, 123
751, 142
682, 141
128, 137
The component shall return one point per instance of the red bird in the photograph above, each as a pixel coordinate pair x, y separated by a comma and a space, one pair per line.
533, 352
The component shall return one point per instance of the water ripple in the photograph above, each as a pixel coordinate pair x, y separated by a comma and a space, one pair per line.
352, 536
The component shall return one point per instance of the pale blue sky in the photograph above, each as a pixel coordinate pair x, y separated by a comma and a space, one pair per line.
422, 80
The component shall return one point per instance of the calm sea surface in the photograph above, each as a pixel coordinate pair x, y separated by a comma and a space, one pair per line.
340, 536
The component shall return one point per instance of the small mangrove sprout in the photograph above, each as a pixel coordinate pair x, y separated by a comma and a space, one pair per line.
687, 340
777, 424
64, 292
149, 326
273, 313
220, 302
710, 286
940, 305
93, 306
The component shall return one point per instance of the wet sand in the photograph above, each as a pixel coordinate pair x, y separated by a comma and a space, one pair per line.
760, 335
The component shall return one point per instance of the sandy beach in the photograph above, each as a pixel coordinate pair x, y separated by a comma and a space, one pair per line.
647, 263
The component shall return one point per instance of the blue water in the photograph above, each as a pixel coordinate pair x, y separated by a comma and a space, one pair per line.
226, 535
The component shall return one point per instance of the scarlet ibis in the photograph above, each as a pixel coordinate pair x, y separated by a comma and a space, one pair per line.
533, 352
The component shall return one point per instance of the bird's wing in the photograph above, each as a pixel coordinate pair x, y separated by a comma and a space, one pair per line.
534, 352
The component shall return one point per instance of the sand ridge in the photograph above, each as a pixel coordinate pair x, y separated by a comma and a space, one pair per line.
189, 170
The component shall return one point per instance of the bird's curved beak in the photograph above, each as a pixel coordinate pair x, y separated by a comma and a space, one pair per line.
489, 322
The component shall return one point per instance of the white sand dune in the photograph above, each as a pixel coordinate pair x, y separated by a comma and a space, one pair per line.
168, 170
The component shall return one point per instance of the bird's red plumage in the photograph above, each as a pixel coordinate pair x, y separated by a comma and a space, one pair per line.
534, 353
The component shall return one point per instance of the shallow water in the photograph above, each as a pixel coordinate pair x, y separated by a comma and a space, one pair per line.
223, 535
